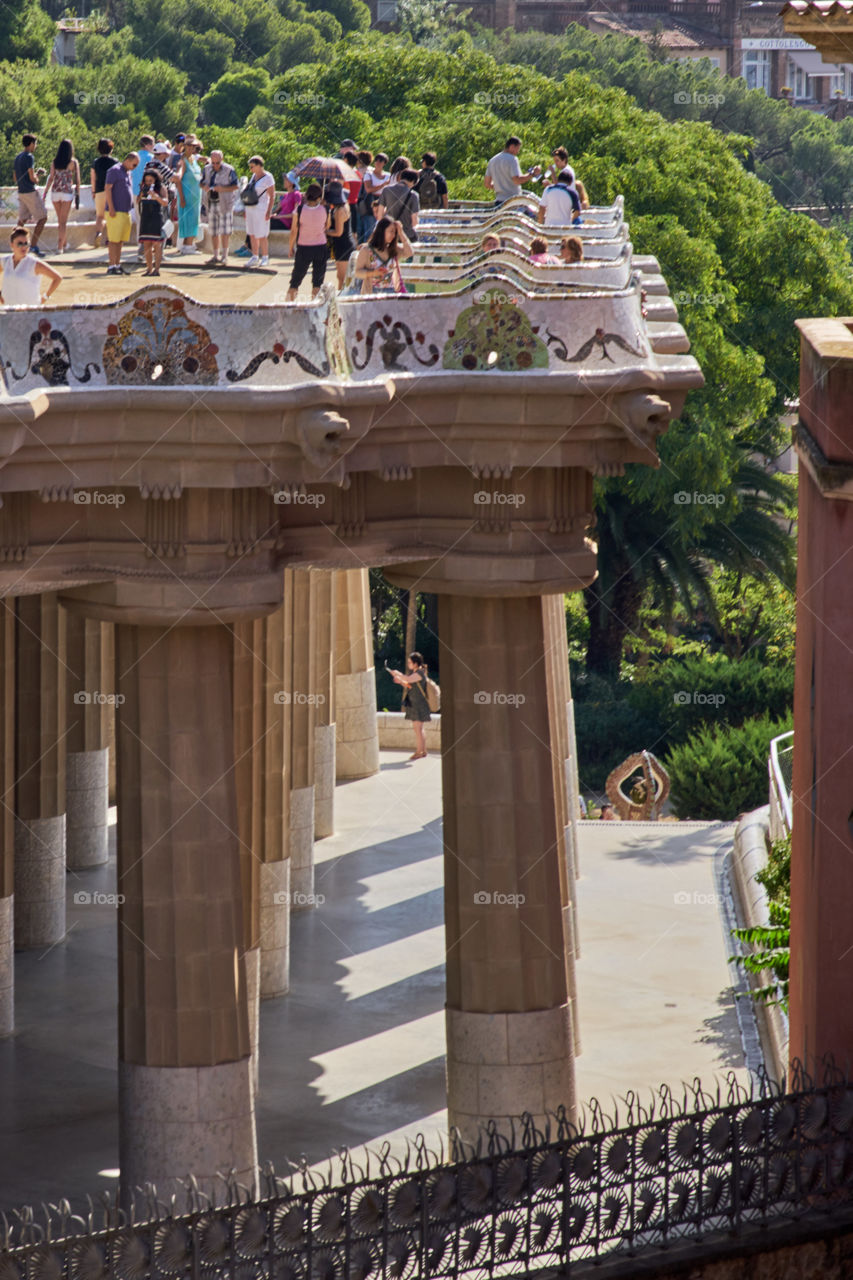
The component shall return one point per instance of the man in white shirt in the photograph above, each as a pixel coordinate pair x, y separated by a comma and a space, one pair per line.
560, 203
503, 172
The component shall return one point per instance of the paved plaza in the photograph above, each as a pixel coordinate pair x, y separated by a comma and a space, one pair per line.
355, 1054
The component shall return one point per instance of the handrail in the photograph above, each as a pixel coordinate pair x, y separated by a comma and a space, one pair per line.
779, 767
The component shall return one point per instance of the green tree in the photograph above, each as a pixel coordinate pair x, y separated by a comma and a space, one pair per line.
26, 31
231, 99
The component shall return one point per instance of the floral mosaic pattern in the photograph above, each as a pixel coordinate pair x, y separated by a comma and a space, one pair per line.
494, 334
392, 338
50, 358
157, 334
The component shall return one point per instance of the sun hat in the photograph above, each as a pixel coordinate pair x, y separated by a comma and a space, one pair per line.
291, 177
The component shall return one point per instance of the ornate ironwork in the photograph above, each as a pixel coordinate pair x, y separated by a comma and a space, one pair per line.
672, 1170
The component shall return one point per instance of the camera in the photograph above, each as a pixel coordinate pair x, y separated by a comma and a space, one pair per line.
213, 196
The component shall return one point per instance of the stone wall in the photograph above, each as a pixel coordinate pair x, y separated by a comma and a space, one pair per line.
395, 732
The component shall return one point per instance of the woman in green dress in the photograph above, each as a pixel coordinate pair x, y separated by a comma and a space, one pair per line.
189, 195
415, 702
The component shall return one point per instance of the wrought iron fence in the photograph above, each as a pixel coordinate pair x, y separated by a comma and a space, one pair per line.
675, 1170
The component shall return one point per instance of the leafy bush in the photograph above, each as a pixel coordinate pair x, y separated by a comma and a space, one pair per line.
607, 727
721, 772
772, 943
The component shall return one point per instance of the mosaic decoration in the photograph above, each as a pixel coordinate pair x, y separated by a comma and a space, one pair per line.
336, 343
494, 334
279, 352
50, 358
394, 337
599, 341
155, 335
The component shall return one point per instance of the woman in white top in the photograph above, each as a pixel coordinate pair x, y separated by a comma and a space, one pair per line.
65, 181
258, 215
20, 284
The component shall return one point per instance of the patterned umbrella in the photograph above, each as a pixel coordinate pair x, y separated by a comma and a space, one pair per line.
326, 169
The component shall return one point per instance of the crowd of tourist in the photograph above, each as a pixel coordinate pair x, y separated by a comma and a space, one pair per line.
368, 213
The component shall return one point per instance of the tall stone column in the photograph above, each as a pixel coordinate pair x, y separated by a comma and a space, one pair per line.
356, 732
7, 816
186, 1101
509, 1017
90, 699
40, 772
300, 599
244, 754
556, 665
325, 617
271, 807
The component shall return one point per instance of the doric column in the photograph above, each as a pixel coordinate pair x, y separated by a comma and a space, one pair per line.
7, 816
299, 592
325, 614
244, 755
509, 1024
271, 808
40, 772
185, 1088
91, 698
556, 667
356, 733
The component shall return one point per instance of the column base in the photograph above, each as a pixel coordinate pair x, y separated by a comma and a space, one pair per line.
357, 736
86, 807
302, 849
274, 928
39, 882
174, 1121
324, 780
252, 962
7, 967
500, 1065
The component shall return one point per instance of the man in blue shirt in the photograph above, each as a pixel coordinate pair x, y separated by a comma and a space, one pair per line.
30, 204
146, 154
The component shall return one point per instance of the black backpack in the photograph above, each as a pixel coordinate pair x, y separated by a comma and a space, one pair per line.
427, 190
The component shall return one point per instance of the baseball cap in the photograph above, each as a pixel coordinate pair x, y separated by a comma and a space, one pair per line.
161, 148
349, 144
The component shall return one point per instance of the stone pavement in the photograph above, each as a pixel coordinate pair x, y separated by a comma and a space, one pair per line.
355, 1053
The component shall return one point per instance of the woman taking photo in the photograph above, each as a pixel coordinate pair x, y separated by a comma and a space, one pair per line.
151, 204
189, 195
415, 702
65, 181
260, 190
378, 263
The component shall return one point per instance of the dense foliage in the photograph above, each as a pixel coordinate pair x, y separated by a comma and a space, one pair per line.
721, 772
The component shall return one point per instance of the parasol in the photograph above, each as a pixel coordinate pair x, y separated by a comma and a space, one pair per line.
326, 169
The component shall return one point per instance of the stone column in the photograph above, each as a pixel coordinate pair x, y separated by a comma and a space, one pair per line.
509, 1024
300, 598
356, 733
243, 695
271, 807
325, 614
40, 772
556, 666
186, 1101
90, 698
7, 816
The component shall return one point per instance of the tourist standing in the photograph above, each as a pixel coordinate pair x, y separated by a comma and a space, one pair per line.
258, 197
189, 195
503, 172
145, 151
374, 183
101, 166
64, 178
365, 162
308, 244
340, 228
119, 192
431, 185
152, 204
415, 703
31, 207
22, 274
402, 202
219, 180
560, 204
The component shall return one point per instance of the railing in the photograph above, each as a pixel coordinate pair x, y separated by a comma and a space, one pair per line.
780, 767
676, 1171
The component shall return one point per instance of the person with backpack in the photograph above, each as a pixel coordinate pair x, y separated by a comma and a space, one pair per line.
309, 247
415, 699
431, 185
402, 202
